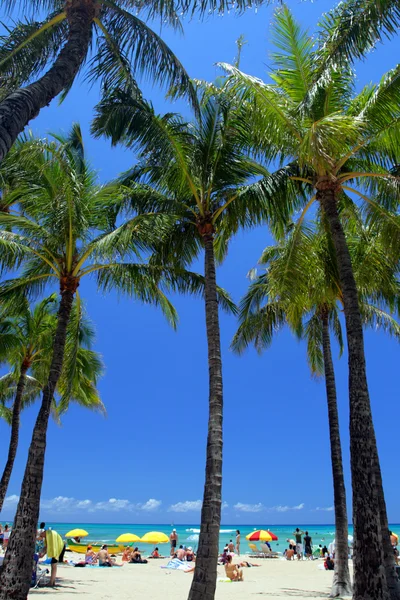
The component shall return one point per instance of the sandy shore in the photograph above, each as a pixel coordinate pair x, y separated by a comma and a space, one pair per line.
274, 579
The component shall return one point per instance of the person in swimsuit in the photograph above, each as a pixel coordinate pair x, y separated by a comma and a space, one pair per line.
233, 572
238, 542
180, 553
173, 538
231, 546
105, 559
308, 545
90, 556
290, 553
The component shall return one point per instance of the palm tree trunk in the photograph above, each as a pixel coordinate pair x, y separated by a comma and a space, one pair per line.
12, 449
23, 105
17, 567
205, 574
341, 585
369, 573
388, 554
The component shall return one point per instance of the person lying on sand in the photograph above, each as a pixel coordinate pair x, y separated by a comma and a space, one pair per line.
233, 572
105, 559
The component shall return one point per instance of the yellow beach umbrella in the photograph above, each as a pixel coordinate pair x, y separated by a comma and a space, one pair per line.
126, 538
76, 533
155, 537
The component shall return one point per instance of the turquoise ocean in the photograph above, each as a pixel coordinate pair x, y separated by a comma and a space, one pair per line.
107, 533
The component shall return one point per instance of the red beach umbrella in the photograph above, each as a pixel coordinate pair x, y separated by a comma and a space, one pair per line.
261, 536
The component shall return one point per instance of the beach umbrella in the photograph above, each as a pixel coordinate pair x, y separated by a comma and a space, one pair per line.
261, 536
193, 538
76, 533
155, 537
126, 538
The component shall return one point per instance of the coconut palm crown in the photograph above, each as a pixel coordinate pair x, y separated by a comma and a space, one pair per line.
61, 235
26, 341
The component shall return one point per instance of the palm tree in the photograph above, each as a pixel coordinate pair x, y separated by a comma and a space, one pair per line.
301, 288
62, 236
200, 173
334, 142
26, 342
111, 37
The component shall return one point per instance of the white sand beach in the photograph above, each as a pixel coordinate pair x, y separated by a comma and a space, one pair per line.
274, 579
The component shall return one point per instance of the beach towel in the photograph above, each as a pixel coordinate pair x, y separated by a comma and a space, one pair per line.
54, 544
180, 565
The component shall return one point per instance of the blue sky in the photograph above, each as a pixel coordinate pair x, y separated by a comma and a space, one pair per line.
145, 461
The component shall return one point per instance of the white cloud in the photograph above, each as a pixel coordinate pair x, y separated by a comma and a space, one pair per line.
151, 504
68, 505
10, 501
113, 504
253, 508
224, 505
327, 508
82, 504
281, 508
187, 506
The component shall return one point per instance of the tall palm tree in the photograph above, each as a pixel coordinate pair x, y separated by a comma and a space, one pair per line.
62, 236
200, 173
301, 288
109, 37
28, 337
334, 142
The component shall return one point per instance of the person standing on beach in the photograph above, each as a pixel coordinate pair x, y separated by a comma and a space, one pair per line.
299, 545
308, 545
54, 547
6, 536
238, 542
173, 538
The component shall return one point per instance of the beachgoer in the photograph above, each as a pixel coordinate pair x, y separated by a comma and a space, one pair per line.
329, 564
308, 545
238, 542
325, 551
90, 556
127, 554
393, 539
155, 553
6, 536
290, 553
231, 546
173, 538
223, 558
181, 554
233, 572
189, 554
105, 559
54, 547
299, 546
77, 539
137, 557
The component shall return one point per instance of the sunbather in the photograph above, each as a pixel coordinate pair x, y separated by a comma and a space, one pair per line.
105, 559
90, 556
233, 572
127, 554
